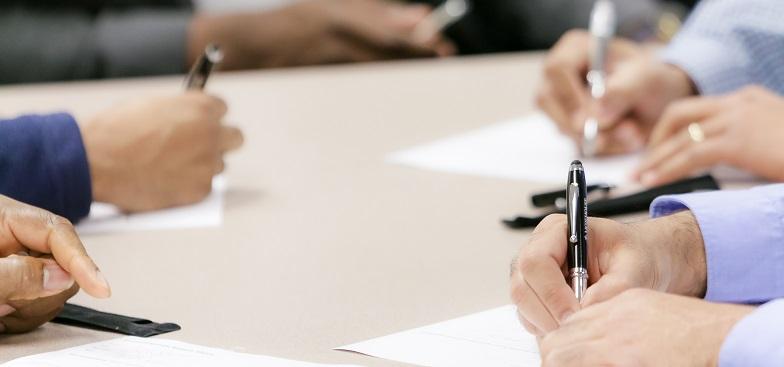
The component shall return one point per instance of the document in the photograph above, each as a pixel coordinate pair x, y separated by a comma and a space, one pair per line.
150, 352
106, 218
492, 338
528, 148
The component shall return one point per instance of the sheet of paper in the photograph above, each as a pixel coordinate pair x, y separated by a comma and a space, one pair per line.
492, 338
105, 218
150, 352
528, 148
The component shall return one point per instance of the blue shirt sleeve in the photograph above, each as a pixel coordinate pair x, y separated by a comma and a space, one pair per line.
757, 340
44, 163
744, 240
728, 44
744, 248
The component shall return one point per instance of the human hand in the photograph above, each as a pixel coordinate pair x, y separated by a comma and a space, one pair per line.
638, 88
317, 32
158, 153
42, 264
665, 254
642, 327
743, 130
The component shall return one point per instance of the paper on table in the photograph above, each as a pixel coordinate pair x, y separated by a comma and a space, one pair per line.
528, 148
152, 352
492, 338
207, 213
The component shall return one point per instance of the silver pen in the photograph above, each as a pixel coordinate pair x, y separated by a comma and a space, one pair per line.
448, 13
200, 72
603, 23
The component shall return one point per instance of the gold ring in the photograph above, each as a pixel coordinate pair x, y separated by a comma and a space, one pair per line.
696, 133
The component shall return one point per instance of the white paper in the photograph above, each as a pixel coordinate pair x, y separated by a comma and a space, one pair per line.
492, 338
528, 148
105, 218
151, 352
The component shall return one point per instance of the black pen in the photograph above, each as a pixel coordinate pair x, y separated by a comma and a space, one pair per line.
200, 72
577, 233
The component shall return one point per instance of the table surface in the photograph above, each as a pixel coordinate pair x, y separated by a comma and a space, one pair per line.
323, 243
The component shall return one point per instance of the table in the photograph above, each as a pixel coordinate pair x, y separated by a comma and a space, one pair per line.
323, 243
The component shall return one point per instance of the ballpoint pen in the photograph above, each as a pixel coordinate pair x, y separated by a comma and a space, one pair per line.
602, 28
200, 72
577, 231
441, 17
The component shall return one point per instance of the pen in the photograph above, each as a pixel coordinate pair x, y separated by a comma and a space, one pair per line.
200, 72
441, 17
577, 231
602, 28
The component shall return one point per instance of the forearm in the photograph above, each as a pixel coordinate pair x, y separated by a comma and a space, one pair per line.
743, 234
45, 165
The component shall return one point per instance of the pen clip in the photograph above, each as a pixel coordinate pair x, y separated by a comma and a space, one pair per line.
571, 203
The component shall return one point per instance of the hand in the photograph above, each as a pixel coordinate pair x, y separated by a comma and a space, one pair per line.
743, 130
643, 328
159, 152
42, 264
316, 32
638, 88
665, 254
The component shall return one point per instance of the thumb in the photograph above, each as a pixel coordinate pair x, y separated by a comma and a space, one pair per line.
28, 278
624, 88
607, 287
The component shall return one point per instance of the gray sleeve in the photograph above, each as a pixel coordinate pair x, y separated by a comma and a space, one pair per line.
45, 45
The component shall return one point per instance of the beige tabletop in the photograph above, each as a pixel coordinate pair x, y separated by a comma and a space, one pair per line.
323, 243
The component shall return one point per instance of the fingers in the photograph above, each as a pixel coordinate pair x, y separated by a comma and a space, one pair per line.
210, 107
531, 309
624, 88
539, 288
390, 30
607, 287
563, 92
680, 115
680, 156
626, 137
230, 138
47, 233
547, 101
27, 278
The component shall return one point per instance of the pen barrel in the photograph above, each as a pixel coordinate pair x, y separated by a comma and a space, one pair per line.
577, 235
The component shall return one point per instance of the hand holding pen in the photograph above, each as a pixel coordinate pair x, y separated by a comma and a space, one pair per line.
625, 101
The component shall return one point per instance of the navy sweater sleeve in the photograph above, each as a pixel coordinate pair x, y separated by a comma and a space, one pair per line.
44, 163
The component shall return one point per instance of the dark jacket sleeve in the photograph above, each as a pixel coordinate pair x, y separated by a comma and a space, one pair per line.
43, 163
48, 43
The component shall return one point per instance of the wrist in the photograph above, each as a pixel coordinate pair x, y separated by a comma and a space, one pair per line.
678, 82
98, 175
680, 237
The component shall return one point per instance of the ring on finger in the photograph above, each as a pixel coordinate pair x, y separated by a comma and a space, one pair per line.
696, 134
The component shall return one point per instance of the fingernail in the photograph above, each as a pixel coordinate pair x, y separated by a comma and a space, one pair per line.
6, 310
104, 282
648, 178
56, 279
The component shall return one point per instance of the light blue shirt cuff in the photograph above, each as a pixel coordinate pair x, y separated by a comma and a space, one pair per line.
716, 66
757, 339
743, 233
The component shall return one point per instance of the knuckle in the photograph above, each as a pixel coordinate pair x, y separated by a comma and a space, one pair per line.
552, 220
574, 35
